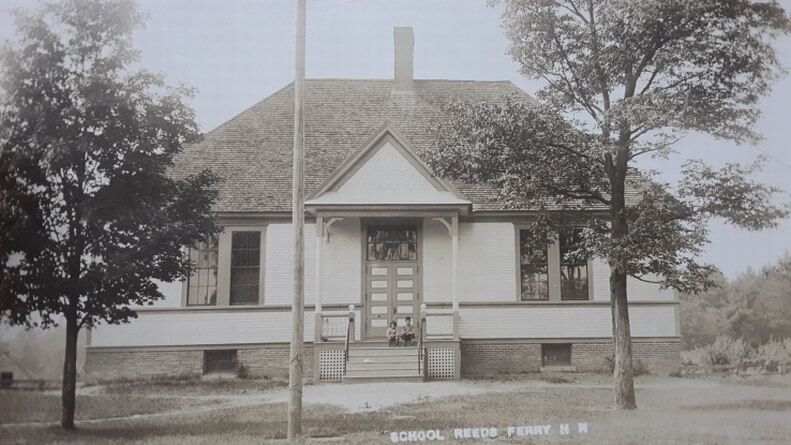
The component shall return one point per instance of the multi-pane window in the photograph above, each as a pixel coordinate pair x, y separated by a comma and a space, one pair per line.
245, 267
534, 269
202, 283
573, 268
392, 243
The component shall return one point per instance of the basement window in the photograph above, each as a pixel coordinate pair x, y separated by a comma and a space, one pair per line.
556, 354
221, 360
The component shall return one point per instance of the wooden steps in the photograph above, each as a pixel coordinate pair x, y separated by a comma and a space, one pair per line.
373, 363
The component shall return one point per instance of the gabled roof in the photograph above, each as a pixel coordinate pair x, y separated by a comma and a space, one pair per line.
253, 151
385, 170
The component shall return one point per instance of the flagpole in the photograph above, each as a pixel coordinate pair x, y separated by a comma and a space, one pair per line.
295, 369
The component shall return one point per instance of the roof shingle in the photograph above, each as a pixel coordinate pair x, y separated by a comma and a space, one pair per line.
252, 152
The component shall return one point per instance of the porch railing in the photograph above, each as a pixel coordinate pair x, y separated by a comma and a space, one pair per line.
336, 327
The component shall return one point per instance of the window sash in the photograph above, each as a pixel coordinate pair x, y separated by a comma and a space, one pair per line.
245, 267
202, 282
574, 280
534, 270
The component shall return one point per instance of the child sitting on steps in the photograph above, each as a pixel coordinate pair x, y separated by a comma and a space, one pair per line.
392, 334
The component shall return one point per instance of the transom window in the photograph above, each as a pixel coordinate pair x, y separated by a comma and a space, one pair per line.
202, 283
392, 243
534, 269
573, 269
245, 267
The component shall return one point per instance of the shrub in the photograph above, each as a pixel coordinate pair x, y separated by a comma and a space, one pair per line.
773, 354
724, 351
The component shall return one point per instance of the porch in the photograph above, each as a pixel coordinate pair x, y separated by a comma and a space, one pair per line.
391, 291
434, 355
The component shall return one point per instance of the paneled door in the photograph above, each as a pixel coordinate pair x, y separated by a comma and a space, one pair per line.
392, 277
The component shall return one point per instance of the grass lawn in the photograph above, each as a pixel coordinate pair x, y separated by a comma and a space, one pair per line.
672, 410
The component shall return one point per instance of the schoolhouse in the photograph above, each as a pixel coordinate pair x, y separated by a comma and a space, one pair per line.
385, 239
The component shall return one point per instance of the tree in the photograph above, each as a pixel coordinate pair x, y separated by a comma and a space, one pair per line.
624, 79
90, 214
755, 307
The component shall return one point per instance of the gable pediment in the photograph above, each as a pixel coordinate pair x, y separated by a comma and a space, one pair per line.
385, 171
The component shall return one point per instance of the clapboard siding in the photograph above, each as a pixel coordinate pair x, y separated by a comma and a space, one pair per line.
487, 262
341, 263
205, 327
532, 321
436, 262
638, 290
279, 264
601, 280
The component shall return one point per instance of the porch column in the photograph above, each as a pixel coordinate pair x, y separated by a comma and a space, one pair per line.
454, 234
319, 239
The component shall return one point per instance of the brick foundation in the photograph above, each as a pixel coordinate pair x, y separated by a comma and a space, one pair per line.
139, 363
491, 359
478, 359
488, 358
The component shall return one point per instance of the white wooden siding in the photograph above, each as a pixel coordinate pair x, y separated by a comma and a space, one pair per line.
436, 262
342, 264
535, 321
172, 293
387, 177
205, 327
600, 274
280, 260
341, 271
638, 290
487, 262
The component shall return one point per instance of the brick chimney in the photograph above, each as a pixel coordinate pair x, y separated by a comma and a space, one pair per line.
404, 58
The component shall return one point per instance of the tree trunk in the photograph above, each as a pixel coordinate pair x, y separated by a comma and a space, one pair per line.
69, 374
623, 373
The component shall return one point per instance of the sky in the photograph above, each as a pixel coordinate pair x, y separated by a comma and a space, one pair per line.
237, 52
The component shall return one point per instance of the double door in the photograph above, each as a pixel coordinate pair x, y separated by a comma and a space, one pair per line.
392, 295
392, 278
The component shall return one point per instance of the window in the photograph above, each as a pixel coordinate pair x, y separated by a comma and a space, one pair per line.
534, 269
556, 354
392, 243
573, 269
221, 360
245, 267
202, 284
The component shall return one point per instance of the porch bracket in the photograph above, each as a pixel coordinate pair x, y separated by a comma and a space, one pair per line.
326, 227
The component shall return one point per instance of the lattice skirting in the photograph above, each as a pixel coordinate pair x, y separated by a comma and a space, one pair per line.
331, 364
441, 363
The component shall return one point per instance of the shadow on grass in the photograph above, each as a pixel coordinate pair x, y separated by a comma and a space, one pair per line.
760, 405
260, 424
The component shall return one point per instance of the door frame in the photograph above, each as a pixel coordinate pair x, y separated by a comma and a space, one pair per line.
379, 221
